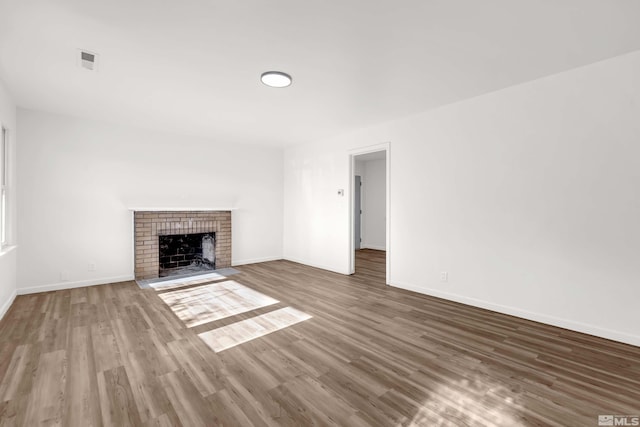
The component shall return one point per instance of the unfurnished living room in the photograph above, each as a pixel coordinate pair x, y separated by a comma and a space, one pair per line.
303, 213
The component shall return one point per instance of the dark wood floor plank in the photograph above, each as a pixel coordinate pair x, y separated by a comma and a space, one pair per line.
149, 395
81, 393
370, 355
116, 398
47, 397
190, 406
16, 371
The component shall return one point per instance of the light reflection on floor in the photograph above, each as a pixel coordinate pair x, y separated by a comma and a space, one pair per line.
202, 304
482, 402
246, 330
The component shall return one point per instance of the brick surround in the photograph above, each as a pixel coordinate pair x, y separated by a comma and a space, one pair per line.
148, 225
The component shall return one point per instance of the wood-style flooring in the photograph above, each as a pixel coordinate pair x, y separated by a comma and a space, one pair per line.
298, 346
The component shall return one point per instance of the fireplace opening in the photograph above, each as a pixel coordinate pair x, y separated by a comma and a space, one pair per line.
186, 253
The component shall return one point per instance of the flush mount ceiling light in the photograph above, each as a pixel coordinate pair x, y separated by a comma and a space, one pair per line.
276, 79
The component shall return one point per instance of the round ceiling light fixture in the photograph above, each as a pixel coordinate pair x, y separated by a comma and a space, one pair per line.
276, 79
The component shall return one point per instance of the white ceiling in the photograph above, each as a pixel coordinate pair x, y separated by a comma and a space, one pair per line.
193, 66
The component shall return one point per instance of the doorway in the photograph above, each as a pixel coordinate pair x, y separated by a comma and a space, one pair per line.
369, 173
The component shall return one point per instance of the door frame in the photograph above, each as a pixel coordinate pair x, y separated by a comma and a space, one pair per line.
386, 147
357, 213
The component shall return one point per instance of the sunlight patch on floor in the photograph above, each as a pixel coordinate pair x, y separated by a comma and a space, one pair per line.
186, 281
202, 304
246, 330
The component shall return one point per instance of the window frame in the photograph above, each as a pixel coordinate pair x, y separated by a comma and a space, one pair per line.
4, 178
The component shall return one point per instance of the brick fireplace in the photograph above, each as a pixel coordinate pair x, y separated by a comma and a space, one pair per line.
149, 225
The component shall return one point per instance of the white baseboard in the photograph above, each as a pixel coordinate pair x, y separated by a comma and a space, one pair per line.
528, 315
375, 247
322, 267
255, 260
72, 285
7, 304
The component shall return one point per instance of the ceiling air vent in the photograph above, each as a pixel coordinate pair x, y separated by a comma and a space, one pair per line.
88, 60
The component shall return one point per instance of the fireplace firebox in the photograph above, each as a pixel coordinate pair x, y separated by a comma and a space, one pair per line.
186, 253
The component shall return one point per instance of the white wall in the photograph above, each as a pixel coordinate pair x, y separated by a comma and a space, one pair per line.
527, 196
8, 254
78, 179
374, 204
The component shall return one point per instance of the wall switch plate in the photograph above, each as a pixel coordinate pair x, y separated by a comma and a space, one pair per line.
444, 276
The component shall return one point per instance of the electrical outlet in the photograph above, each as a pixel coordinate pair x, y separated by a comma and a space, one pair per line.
64, 275
91, 266
444, 276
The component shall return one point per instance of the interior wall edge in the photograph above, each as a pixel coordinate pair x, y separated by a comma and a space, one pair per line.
72, 285
584, 328
7, 304
311, 264
255, 260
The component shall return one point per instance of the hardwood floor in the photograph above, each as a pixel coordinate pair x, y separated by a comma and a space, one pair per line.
361, 354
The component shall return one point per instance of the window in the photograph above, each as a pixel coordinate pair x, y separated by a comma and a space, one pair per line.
3, 182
